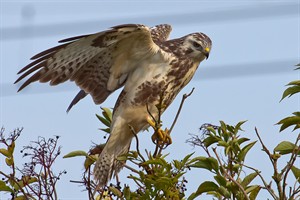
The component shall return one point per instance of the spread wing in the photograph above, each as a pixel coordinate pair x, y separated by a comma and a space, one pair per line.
98, 63
160, 32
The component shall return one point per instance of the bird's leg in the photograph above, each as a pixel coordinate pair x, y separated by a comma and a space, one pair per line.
159, 136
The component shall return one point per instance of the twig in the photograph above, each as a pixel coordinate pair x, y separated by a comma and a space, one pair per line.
88, 182
196, 141
274, 164
295, 191
290, 163
131, 169
158, 146
137, 143
230, 177
267, 186
137, 182
156, 150
16, 182
161, 147
184, 97
81, 182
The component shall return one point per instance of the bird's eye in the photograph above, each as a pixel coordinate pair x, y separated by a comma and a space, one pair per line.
196, 44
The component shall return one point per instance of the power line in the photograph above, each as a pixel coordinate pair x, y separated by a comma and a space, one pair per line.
208, 17
205, 73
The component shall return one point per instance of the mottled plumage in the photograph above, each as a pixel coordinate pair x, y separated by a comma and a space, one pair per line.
132, 56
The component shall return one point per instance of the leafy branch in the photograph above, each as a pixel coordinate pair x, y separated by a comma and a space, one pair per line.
36, 179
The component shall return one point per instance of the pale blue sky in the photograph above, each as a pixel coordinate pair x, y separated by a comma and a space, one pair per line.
255, 45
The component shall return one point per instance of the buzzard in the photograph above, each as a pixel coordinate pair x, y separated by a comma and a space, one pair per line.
138, 58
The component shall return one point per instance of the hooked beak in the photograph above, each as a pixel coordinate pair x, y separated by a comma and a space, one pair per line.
206, 52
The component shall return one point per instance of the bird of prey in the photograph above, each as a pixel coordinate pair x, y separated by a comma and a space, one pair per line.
138, 58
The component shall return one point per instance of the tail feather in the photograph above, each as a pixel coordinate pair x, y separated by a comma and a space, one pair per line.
104, 168
107, 165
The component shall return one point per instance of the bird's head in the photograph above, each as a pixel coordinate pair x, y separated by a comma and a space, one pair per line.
197, 45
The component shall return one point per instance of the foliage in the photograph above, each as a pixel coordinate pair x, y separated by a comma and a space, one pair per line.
229, 166
36, 179
153, 176
294, 87
229, 182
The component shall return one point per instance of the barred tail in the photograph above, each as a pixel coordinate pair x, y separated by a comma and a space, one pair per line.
107, 165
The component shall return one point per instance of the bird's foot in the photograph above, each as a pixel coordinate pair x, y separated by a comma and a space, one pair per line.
161, 137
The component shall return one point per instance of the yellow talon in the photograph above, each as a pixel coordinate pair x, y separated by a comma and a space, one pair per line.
151, 122
160, 136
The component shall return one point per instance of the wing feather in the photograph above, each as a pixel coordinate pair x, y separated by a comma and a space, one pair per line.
98, 63
161, 32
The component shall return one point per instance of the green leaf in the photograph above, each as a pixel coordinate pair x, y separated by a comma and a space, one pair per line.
222, 143
296, 172
290, 121
221, 180
230, 128
75, 153
206, 186
26, 180
285, 147
163, 180
206, 163
126, 192
224, 192
22, 197
202, 164
9, 161
177, 164
186, 158
4, 187
238, 126
247, 180
115, 191
211, 129
5, 152
11, 147
224, 132
107, 113
122, 158
290, 91
211, 139
297, 114
158, 161
254, 192
297, 82
244, 151
89, 161
103, 120
107, 130
214, 163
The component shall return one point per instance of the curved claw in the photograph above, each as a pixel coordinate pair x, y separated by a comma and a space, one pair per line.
159, 136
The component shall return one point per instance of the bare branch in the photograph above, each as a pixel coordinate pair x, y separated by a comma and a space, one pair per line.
184, 97
267, 186
276, 175
131, 169
137, 142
